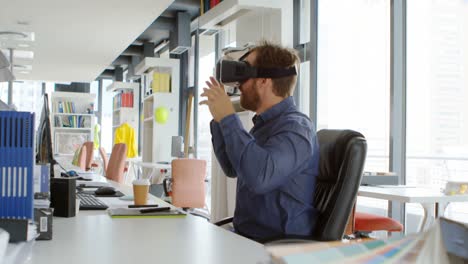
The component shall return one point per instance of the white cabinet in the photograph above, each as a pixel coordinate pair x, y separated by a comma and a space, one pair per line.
73, 120
157, 137
125, 105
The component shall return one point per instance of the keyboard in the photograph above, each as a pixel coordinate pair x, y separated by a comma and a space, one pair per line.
89, 202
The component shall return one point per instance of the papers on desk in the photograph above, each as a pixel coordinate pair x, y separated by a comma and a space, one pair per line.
18, 253
395, 186
135, 213
376, 251
92, 183
444, 243
4, 237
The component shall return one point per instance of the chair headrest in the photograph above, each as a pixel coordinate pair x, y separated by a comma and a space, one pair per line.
333, 145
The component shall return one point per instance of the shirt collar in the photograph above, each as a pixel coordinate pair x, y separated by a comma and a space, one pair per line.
275, 110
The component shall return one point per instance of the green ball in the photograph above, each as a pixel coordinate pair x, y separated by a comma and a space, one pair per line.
161, 115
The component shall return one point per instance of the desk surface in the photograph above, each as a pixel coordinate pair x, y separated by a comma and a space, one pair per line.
95, 237
410, 194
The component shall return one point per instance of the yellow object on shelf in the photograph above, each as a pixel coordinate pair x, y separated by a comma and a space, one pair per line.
156, 83
456, 188
161, 115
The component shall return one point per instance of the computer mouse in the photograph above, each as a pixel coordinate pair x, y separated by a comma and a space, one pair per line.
105, 190
72, 173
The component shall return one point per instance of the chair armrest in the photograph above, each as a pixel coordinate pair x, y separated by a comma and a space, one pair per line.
167, 182
224, 221
289, 241
198, 212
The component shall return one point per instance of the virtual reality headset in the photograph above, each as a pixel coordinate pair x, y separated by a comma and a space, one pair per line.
234, 73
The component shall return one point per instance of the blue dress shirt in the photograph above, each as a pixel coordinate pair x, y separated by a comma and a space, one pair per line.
276, 165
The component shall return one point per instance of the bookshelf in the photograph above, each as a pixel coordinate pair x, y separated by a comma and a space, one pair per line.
227, 11
72, 120
125, 107
159, 93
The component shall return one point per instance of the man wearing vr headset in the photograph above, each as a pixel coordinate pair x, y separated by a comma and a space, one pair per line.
276, 164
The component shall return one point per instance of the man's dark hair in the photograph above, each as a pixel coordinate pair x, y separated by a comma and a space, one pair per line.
271, 55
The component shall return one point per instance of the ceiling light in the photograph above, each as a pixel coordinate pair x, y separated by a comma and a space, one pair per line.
24, 72
23, 45
12, 35
20, 54
23, 23
22, 67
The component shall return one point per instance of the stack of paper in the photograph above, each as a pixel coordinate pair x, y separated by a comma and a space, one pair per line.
444, 242
32, 231
377, 251
4, 237
41, 203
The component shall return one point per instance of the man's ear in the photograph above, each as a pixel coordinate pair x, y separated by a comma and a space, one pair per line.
268, 83
263, 82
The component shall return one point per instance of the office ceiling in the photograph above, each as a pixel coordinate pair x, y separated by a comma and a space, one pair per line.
157, 34
73, 41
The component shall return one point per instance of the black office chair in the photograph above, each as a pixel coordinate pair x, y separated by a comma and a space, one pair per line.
342, 158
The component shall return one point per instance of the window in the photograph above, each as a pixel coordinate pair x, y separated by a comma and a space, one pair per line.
205, 70
354, 72
4, 92
27, 96
94, 89
353, 85
304, 68
437, 81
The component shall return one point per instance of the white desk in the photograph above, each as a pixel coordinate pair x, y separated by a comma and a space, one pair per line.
95, 237
433, 201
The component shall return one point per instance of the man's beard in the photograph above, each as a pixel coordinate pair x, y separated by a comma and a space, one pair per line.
250, 99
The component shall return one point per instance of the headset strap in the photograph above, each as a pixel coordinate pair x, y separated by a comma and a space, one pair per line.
275, 72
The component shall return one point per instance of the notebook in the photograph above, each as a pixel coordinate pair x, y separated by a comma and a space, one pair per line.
135, 213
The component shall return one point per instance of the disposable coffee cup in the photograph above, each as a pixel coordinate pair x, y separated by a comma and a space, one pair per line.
140, 191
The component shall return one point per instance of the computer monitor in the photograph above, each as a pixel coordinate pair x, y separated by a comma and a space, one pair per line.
44, 153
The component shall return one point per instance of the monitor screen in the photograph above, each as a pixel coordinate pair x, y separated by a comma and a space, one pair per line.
44, 154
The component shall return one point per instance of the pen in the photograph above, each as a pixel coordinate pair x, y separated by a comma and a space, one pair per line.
142, 206
152, 210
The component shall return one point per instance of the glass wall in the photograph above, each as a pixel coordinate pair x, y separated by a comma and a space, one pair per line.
304, 68
4, 92
437, 82
206, 65
107, 133
27, 96
354, 72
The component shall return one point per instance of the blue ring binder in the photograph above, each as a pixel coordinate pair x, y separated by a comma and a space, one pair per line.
16, 164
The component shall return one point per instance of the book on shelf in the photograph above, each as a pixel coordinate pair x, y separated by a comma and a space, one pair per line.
123, 99
64, 107
161, 82
72, 121
206, 5
155, 84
